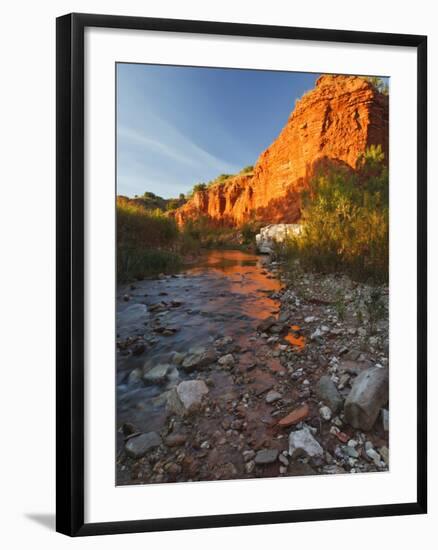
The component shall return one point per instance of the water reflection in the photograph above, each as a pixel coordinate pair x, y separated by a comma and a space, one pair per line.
226, 293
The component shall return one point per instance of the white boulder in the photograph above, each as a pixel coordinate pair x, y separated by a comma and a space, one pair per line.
275, 233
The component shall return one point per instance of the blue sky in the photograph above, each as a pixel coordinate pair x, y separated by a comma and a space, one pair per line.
177, 126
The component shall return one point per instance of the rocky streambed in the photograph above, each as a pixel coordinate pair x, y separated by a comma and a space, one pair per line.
237, 369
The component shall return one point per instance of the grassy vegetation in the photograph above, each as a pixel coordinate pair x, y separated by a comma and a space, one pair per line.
200, 233
145, 241
345, 222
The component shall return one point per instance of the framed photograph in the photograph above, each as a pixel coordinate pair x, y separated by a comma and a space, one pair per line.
241, 274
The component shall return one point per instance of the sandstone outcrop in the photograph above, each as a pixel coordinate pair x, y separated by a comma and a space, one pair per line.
331, 124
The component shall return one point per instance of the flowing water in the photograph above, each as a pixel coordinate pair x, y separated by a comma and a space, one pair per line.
225, 294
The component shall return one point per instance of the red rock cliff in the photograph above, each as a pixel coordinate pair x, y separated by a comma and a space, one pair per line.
333, 123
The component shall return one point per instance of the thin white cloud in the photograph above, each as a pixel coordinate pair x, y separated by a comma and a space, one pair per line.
169, 142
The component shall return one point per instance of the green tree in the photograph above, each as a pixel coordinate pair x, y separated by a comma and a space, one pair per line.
379, 84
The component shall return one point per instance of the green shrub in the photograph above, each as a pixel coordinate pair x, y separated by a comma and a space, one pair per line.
249, 230
199, 187
345, 221
379, 84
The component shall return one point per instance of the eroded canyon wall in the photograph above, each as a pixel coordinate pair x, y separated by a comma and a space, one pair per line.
333, 123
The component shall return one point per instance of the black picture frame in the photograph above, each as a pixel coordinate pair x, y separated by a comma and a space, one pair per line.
70, 273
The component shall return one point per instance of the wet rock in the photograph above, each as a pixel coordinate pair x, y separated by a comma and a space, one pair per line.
295, 416
266, 324
198, 359
138, 349
128, 429
266, 456
178, 357
328, 393
302, 442
134, 378
160, 306
157, 375
138, 446
187, 397
272, 396
368, 394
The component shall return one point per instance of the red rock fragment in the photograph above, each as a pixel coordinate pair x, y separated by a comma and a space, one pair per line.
295, 416
343, 437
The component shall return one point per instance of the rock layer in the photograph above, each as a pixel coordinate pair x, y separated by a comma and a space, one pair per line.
331, 124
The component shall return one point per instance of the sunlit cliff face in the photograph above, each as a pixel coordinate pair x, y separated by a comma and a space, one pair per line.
331, 124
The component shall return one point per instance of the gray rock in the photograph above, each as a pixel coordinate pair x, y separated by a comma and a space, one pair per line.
384, 453
328, 392
283, 459
385, 419
325, 413
139, 445
248, 455
350, 451
266, 324
187, 397
302, 442
198, 359
226, 360
178, 357
266, 456
157, 375
134, 378
368, 394
273, 396
333, 469
374, 456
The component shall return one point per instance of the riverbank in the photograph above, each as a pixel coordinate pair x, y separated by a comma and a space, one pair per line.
219, 365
